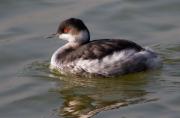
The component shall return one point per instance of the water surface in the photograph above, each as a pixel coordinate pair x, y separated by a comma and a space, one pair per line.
28, 89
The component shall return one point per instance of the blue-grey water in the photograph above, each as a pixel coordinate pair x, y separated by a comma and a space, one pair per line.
29, 90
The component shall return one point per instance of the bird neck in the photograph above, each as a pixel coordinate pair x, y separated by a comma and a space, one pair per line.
82, 38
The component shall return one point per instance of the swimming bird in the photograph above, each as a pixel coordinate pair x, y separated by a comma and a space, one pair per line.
102, 57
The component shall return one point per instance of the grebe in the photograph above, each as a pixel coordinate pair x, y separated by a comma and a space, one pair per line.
105, 57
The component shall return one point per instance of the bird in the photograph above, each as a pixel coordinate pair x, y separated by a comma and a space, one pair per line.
100, 57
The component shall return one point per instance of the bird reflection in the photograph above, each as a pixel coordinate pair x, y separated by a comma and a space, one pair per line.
84, 97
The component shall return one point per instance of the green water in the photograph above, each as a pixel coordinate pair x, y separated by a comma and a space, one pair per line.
29, 90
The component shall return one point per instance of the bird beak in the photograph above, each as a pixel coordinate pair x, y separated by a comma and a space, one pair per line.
52, 35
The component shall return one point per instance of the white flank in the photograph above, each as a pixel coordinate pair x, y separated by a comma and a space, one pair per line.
111, 64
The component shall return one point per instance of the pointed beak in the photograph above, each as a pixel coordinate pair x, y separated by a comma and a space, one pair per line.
52, 35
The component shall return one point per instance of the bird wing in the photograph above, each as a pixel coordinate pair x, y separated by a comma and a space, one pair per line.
98, 49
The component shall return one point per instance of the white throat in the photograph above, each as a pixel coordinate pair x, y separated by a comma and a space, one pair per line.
81, 37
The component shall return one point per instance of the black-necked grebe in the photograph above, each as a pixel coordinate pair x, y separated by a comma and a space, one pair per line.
105, 57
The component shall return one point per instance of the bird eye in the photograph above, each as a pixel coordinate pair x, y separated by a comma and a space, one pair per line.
66, 30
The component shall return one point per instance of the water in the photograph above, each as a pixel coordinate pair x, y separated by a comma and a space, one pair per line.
29, 90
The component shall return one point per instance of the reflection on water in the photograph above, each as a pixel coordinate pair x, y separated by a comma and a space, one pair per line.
85, 97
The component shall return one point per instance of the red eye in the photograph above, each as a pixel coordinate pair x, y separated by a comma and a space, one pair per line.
66, 30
